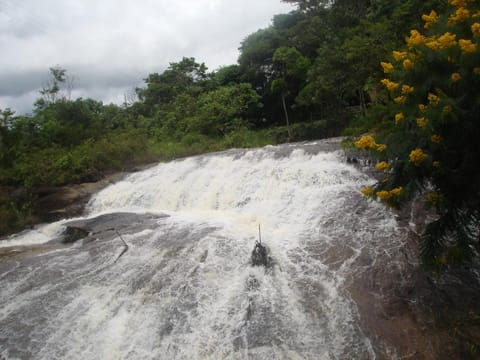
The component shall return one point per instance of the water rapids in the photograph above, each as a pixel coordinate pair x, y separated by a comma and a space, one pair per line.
185, 289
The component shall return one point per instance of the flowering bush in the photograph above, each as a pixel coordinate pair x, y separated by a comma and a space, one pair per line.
430, 130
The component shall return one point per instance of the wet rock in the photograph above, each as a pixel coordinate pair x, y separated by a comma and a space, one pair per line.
259, 255
107, 226
57, 202
73, 234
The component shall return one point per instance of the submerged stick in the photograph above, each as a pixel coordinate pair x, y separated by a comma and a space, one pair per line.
125, 247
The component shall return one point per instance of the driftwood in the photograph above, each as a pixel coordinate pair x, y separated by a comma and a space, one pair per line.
125, 247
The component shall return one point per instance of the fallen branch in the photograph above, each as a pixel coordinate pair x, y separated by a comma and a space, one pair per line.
125, 247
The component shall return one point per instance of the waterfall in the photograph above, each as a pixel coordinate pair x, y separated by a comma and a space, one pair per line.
185, 289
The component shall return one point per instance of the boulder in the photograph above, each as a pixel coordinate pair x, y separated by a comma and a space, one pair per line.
259, 255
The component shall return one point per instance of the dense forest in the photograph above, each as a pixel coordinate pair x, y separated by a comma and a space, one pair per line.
313, 73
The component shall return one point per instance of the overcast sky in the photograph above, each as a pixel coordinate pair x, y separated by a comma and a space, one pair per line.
109, 46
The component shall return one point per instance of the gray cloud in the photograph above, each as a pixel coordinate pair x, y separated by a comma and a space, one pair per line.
114, 44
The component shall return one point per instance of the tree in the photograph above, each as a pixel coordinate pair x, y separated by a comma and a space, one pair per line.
184, 76
7, 117
290, 68
310, 5
429, 131
51, 91
225, 109
227, 75
6, 122
256, 62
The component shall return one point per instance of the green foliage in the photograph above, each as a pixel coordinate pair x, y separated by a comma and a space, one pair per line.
256, 64
309, 5
290, 64
290, 68
185, 76
227, 75
279, 86
51, 92
430, 128
225, 109
16, 213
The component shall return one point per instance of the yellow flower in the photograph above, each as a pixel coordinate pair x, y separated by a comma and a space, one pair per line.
387, 67
433, 44
367, 191
422, 108
458, 3
422, 122
366, 142
417, 157
397, 191
455, 77
430, 19
415, 38
467, 46
384, 195
407, 89
399, 55
447, 40
407, 64
461, 14
398, 118
433, 99
437, 139
382, 166
476, 70
381, 147
390, 85
436, 164
476, 29
447, 108
400, 99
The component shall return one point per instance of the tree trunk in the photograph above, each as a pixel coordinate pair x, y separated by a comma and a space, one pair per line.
286, 116
363, 104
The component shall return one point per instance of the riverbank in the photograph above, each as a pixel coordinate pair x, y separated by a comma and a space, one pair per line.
50, 203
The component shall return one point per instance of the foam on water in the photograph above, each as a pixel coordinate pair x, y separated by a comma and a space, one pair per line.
185, 288
282, 194
40, 235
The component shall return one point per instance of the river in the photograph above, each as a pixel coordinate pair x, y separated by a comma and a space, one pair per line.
165, 270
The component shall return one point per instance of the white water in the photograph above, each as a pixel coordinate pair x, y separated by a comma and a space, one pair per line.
185, 288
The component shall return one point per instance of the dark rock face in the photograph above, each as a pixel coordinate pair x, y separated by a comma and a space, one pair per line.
72, 234
422, 315
108, 225
259, 255
57, 202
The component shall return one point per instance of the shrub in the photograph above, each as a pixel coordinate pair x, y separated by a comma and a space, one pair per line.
430, 127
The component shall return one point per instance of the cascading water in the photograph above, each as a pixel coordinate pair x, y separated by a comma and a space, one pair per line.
185, 289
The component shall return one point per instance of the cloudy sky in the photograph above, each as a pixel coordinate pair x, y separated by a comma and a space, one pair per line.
109, 46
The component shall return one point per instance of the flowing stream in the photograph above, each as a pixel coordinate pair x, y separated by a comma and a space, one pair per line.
165, 272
